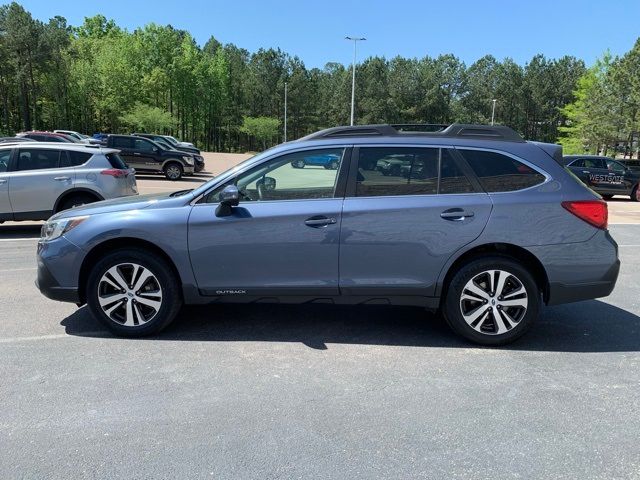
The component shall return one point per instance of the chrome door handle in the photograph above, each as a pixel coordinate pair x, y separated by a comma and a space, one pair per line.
319, 221
136, 153
62, 179
586, 171
456, 214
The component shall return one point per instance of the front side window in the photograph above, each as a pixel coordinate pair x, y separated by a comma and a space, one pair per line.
500, 173
309, 174
5, 156
37, 159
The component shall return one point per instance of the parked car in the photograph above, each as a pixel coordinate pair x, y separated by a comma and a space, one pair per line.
15, 139
605, 175
328, 161
147, 156
47, 137
487, 243
163, 141
175, 142
79, 137
40, 179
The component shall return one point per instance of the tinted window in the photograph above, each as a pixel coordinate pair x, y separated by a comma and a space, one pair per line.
5, 155
499, 173
615, 166
116, 161
37, 159
122, 142
594, 163
295, 176
452, 180
577, 163
143, 145
389, 171
73, 159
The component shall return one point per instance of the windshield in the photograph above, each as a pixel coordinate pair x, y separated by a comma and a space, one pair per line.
171, 140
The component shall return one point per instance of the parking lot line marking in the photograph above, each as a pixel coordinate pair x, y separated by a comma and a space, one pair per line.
629, 245
19, 269
53, 337
17, 239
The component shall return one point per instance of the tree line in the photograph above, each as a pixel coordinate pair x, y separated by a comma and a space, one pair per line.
99, 77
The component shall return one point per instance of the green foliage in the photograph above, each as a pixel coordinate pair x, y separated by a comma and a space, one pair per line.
264, 129
145, 118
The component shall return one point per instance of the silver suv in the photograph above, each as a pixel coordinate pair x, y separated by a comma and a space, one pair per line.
40, 179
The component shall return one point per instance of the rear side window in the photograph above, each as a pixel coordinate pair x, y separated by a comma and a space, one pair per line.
143, 145
122, 142
577, 163
390, 171
500, 173
5, 156
116, 161
37, 159
73, 159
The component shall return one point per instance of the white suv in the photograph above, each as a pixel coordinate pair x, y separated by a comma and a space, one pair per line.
39, 179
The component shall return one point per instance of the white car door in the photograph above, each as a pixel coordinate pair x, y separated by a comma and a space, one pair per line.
37, 182
5, 205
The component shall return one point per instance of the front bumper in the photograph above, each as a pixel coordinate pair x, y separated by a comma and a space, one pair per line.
58, 270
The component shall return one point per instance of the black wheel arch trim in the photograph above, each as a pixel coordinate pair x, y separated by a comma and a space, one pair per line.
75, 190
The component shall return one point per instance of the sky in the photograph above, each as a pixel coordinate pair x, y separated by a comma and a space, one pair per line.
315, 30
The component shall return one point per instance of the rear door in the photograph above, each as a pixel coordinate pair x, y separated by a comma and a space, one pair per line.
37, 182
399, 226
125, 145
5, 205
621, 179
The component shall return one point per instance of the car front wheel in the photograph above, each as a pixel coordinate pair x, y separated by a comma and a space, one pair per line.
492, 301
133, 293
173, 171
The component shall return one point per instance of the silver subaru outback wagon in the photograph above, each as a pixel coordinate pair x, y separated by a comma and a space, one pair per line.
471, 221
38, 179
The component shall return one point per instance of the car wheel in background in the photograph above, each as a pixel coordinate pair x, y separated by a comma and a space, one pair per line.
635, 194
607, 197
298, 164
133, 293
173, 171
492, 301
333, 165
76, 200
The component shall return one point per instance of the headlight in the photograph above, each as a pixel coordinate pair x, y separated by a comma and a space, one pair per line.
188, 160
56, 228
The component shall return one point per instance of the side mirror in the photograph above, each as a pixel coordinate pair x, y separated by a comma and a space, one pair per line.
229, 197
155, 149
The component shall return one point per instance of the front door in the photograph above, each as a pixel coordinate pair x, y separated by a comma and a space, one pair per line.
37, 182
5, 205
402, 220
283, 237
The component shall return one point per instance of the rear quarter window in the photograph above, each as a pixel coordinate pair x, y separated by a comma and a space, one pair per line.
500, 173
74, 159
116, 161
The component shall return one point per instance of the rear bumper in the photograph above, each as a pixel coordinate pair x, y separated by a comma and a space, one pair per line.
575, 292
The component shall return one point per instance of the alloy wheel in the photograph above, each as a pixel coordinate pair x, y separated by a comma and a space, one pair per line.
173, 172
129, 294
493, 302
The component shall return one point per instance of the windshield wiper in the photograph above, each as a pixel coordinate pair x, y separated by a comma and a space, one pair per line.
181, 192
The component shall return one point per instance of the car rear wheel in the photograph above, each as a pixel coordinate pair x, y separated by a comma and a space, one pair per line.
76, 200
492, 301
173, 171
133, 293
634, 194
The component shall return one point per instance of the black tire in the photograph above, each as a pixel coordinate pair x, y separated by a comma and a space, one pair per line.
76, 200
634, 194
454, 303
333, 165
298, 164
171, 297
173, 171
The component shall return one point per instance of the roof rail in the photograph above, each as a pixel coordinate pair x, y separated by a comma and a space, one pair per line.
455, 130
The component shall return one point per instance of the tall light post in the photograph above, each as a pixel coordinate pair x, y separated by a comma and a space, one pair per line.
285, 111
355, 41
493, 111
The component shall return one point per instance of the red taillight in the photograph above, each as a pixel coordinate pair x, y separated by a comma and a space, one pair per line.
114, 172
594, 212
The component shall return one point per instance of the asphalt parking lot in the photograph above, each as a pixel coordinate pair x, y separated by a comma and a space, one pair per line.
309, 392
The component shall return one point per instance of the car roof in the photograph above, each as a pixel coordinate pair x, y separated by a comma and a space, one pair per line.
79, 147
587, 156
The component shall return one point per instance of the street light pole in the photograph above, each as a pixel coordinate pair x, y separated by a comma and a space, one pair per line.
285, 111
493, 111
355, 41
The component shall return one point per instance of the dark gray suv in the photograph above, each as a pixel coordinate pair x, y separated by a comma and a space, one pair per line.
473, 221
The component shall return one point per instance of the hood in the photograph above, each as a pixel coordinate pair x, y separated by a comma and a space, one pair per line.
133, 202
